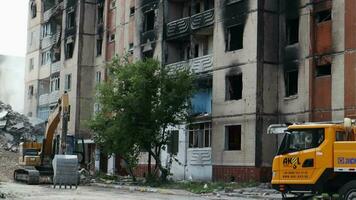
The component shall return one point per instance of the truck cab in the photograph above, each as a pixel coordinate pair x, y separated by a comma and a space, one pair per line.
315, 158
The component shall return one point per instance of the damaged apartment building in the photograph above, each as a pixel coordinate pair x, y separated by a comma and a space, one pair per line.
256, 62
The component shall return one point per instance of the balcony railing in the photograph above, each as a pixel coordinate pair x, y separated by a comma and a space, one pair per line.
202, 19
53, 97
55, 67
46, 42
53, 11
184, 25
199, 156
178, 27
43, 99
50, 40
196, 65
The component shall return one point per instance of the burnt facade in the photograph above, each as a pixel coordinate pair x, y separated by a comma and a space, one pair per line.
256, 62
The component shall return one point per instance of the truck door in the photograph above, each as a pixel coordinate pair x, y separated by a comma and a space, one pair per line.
297, 158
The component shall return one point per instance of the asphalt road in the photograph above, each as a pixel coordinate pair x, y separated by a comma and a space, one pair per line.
46, 192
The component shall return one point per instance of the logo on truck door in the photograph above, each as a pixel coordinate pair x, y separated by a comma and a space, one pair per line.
291, 162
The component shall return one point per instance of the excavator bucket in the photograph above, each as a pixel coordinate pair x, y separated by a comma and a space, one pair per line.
65, 171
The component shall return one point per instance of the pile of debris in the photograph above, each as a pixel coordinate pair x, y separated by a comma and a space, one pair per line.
15, 126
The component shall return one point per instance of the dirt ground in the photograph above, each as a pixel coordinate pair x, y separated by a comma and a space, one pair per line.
8, 163
44, 192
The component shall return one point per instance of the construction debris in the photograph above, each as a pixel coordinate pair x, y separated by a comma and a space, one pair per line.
15, 126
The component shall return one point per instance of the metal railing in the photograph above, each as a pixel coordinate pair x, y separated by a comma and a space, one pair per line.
197, 65
43, 99
55, 67
184, 25
53, 97
178, 27
202, 19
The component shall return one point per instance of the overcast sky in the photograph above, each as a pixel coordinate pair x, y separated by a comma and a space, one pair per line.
13, 27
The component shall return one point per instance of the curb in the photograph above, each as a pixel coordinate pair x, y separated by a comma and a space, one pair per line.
134, 188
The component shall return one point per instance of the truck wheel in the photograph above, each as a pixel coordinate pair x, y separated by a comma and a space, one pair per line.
348, 191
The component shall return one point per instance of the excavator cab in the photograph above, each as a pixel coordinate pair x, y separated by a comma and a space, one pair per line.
74, 146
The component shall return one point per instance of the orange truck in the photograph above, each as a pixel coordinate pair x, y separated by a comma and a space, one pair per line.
315, 158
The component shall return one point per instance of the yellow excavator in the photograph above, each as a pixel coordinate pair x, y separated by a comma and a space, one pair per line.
36, 158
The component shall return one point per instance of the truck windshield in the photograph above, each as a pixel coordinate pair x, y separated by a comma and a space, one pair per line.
301, 139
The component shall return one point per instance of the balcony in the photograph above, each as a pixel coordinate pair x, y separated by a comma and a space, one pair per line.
50, 40
202, 19
197, 65
53, 11
185, 25
53, 97
43, 99
46, 42
148, 36
55, 67
178, 27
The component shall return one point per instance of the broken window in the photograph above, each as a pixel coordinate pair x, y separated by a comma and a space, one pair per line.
69, 48
292, 30
55, 83
111, 37
46, 57
147, 54
131, 48
323, 70
98, 76
323, 16
233, 137
46, 30
291, 83
68, 82
70, 19
113, 4
132, 11
100, 13
196, 51
173, 142
197, 8
235, 37
33, 9
31, 64
234, 87
30, 91
99, 47
200, 135
149, 21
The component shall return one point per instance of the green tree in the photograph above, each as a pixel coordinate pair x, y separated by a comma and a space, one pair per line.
139, 102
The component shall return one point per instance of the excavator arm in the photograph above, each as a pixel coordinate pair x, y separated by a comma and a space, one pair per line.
54, 119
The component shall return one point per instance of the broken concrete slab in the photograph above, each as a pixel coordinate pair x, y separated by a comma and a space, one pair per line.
3, 114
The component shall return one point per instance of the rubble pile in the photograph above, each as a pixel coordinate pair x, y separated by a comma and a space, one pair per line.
14, 126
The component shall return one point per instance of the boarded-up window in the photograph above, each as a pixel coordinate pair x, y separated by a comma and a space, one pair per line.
233, 137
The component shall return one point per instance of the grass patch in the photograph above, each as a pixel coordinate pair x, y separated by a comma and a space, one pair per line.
202, 187
104, 176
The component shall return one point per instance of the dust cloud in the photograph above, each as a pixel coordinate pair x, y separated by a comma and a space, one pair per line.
12, 86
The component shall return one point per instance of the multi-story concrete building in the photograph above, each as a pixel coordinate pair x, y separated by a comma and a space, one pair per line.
60, 57
257, 63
